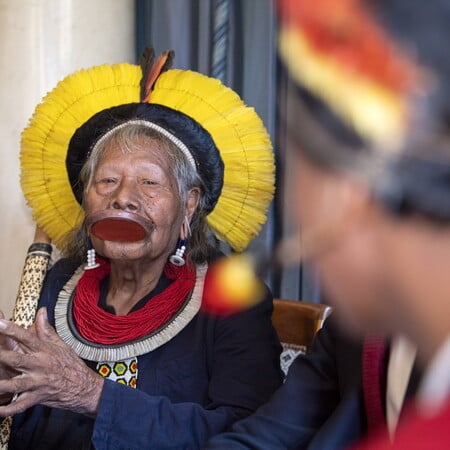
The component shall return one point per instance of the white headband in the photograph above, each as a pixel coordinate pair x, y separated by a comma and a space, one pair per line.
179, 144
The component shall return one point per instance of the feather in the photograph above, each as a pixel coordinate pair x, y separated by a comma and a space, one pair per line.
163, 63
146, 63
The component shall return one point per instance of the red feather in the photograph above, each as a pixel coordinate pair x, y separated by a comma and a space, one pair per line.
163, 63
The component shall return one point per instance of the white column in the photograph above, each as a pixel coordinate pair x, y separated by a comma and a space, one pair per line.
41, 42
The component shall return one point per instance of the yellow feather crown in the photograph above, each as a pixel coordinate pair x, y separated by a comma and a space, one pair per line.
236, 129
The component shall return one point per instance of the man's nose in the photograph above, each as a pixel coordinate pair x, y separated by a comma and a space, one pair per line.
125, 196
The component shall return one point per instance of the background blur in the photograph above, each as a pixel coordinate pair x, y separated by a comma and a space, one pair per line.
44, 40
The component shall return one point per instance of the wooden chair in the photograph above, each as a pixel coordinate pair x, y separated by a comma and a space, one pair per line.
296, 323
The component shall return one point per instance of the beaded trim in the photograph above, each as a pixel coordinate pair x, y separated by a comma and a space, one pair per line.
96, 352
178, 142
40, 249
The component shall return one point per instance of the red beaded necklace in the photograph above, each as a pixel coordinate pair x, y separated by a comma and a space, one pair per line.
99, 326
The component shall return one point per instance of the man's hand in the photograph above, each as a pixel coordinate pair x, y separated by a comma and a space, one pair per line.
45, 370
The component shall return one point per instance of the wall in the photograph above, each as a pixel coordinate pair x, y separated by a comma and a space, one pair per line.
41, 41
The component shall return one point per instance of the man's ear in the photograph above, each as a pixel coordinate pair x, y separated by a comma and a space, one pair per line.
193, 199
353, 205
353, 200
346, 207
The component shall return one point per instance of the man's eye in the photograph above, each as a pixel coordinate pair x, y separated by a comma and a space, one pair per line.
148, 182
108, 180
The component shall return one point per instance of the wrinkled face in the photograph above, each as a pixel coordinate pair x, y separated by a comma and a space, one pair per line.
140, 181
347, 257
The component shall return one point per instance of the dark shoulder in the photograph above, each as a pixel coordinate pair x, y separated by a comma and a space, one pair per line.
56, 278
62, 269
333, 330
345, 347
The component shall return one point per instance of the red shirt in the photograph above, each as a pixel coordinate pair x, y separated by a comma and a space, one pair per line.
416, 432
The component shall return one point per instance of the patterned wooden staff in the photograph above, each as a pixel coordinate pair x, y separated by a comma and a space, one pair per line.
33, 274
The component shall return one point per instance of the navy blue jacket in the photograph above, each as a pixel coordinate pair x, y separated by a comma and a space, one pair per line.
320, 406
214, 372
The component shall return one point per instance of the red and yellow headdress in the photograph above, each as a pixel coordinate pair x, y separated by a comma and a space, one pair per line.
370, 94
338, 52
195, 108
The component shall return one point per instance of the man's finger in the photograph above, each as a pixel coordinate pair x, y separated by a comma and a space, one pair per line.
15, 360
43, 329
22, 403
22, 385
19, 334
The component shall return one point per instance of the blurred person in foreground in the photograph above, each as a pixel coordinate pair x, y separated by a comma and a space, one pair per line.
369, 124
140, 169
342, 389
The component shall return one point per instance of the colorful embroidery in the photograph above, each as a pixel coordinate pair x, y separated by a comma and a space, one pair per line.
124, 372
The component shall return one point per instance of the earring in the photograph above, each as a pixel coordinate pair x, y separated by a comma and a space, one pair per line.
91, 263
177, 258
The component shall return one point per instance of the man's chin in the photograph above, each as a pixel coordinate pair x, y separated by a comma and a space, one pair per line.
357, 325
122, 251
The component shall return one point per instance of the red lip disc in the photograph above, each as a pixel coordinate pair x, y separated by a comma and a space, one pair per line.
118, 230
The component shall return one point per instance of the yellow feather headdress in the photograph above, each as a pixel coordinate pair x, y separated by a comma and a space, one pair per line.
237, 131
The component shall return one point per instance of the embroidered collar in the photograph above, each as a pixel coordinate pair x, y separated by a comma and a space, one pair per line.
98, 352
